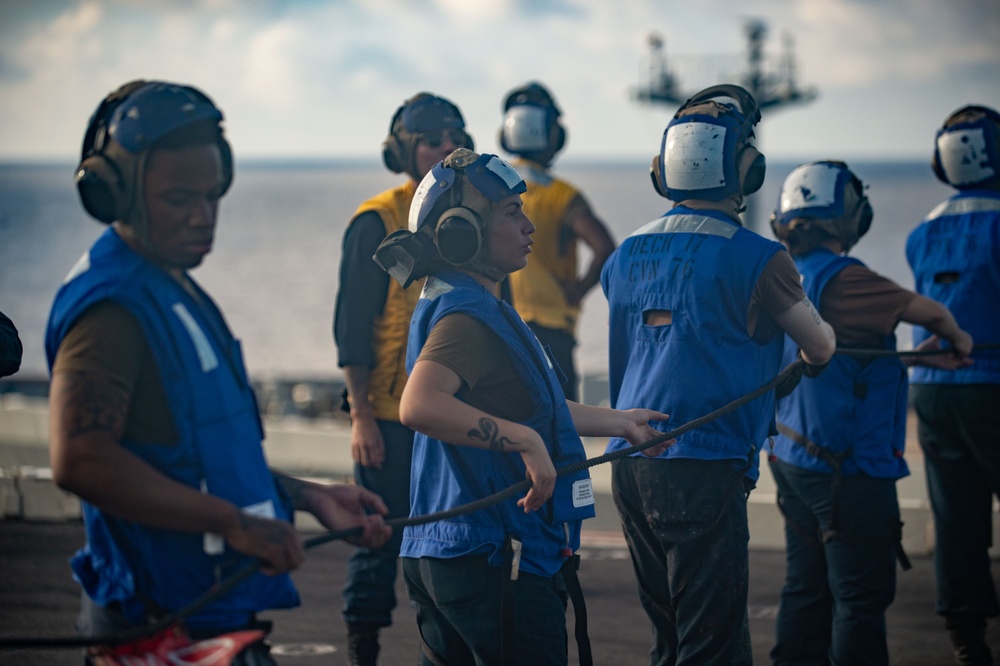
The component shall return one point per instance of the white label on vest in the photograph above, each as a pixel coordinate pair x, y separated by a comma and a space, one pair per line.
583, 493
81, 266
207, 357
214, 544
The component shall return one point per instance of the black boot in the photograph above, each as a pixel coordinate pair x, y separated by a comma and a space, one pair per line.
362, 644
968, 637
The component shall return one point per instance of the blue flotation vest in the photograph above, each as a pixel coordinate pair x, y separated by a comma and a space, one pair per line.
446, 476
219, 450
955, 258
701, 267
852, 415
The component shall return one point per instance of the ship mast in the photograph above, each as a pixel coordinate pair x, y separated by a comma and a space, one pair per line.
772, 88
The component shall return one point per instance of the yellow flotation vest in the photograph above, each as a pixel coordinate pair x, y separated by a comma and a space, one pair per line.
388, 377
536, 293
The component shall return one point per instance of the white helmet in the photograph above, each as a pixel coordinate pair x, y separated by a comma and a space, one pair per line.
821, 196
967, 148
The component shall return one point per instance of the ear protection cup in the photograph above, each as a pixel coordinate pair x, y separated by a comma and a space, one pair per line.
752, 169
99, 181
864, 213
458, 235
865, 217
558, 137
100, 185
393, 154
657, 177
226, 152
936, 166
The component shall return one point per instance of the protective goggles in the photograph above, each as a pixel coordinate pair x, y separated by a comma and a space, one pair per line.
435, 138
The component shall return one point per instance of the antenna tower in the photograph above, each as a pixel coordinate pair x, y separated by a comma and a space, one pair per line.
772, 89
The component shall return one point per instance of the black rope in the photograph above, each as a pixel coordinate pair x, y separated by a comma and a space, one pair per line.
848, 351
251, 568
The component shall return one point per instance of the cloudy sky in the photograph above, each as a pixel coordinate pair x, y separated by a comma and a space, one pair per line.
321, 78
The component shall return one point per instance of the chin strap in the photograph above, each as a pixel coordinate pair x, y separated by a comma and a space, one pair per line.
484, 269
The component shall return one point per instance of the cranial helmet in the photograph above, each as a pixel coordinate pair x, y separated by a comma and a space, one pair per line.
967, 148
820, 200
706, 152
531, 127
449, 217
419, 115
121, 134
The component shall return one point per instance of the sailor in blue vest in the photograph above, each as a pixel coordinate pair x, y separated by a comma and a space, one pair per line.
839, 448
487, 404
698, 306
154, 424
955, 257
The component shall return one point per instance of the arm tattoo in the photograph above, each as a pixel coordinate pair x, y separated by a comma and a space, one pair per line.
489, 432
94, 406
814, 312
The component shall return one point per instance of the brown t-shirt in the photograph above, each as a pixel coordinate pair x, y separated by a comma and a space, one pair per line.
778, 288
475, 353
108, 341
862, 306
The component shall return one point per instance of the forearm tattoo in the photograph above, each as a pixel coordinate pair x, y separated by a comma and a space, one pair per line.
489, 432
93, 406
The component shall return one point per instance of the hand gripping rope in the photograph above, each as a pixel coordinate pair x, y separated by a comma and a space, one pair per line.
248, 570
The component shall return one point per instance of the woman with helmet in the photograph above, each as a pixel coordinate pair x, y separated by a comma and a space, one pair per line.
488, 408
839, 448
548, 292
371, 320
698, 304
955, 255
154, 424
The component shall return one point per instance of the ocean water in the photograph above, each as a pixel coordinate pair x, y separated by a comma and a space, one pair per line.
275, 264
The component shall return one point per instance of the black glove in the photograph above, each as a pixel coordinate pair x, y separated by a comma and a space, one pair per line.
788, 384
810, 370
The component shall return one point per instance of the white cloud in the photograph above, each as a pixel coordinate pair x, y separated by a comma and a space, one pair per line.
271, 74
324, 77
856, 43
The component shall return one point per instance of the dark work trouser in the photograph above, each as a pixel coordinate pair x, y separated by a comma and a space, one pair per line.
459, 613
686, 526
836, 593
959, 432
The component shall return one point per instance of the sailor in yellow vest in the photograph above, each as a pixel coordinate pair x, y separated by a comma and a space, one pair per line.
370, 327
547, 293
